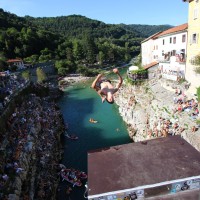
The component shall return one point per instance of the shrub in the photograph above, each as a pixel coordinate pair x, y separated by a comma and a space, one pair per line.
198, 94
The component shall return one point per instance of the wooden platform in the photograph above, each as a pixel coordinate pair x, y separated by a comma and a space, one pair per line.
146, 169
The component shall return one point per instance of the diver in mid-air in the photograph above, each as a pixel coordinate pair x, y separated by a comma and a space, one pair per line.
105, 88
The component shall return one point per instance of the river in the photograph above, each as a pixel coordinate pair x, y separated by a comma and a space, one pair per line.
78, 104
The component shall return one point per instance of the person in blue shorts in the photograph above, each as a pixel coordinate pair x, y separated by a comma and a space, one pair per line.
104, 87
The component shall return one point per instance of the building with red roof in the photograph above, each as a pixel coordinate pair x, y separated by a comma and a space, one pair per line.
16, 62
168, 50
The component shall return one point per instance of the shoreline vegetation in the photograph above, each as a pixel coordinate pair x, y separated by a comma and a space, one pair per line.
71, 79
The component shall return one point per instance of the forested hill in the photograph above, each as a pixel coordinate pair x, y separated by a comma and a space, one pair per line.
74, 42
145, 30
77, 25
9, 20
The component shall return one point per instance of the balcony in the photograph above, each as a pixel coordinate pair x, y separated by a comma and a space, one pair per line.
169, 59
163, 59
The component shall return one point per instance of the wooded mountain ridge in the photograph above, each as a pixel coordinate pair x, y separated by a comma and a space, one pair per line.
79, 24
75, 25
72, 40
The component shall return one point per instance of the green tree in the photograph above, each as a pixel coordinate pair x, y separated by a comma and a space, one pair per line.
41, 76
63, 71
26, 75
127, 52
198, 94
83, 70
3, 63
69, 54
77, 50
89, 49
32, 59
101, 57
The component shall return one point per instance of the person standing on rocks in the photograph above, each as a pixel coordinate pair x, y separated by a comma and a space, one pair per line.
104, 87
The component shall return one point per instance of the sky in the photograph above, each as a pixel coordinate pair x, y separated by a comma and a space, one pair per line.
150, 12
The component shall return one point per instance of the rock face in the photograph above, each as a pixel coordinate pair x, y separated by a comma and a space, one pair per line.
147, 109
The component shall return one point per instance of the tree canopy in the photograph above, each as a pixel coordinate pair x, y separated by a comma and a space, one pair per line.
72, 41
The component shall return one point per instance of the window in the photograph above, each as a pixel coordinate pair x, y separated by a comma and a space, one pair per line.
156, 47
170, 40
183, 38
194, 38
196, 11
163, 42
174, 40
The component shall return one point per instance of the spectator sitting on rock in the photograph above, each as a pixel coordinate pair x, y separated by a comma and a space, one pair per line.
5, 177
19, 170
178, 92
149, 135
195, 113
180, 130
194, 129
192, 103
179, 109
186, 106
164, 132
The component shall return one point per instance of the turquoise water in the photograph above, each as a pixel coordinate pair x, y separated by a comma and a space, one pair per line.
78, 105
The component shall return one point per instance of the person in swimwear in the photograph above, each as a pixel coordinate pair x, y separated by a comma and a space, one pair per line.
104, 87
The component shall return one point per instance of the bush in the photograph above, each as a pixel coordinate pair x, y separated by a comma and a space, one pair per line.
139, 71
198, 94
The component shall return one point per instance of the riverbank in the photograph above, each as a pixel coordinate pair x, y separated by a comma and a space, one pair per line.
150, 112
71, 79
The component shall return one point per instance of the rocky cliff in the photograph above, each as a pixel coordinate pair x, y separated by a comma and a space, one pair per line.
149, 111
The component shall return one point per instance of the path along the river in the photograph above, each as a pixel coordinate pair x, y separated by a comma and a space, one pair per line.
78, 104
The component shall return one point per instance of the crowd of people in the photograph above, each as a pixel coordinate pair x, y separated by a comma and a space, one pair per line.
30, 147
9, 85
185, 104
164, 127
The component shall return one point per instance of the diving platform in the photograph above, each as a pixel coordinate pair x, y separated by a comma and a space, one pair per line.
163, 167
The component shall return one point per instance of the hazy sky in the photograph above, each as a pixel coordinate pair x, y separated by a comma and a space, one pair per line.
152, 12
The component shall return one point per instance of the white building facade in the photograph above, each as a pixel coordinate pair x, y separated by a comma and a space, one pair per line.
168, 48
148, 46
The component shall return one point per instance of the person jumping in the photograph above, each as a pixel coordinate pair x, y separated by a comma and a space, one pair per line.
104, 87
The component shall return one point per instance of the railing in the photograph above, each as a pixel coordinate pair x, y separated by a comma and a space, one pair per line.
168, 60
136, 77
